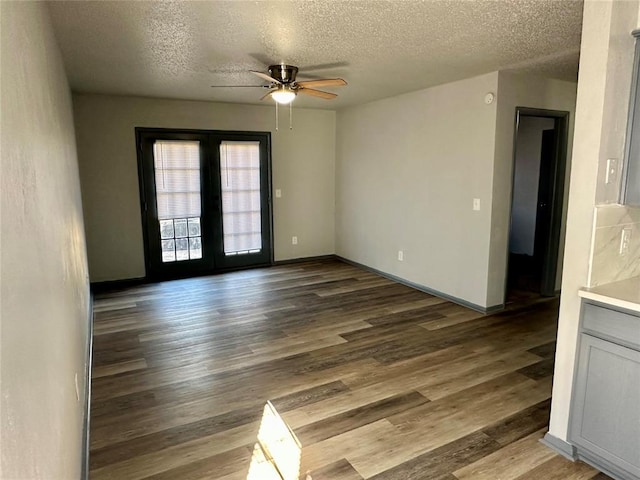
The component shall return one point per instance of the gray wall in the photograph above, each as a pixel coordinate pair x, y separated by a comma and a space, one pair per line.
407, 171
409, 167
303, 168
520, 91
526, 176
45, 291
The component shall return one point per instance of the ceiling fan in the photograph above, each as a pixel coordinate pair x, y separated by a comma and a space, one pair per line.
283, 86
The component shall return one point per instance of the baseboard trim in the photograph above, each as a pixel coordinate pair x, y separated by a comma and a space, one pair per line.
565, 449
98, 287
493, 309
425, 289
318, 258
604, 466
575, 453
110, 285
87, 394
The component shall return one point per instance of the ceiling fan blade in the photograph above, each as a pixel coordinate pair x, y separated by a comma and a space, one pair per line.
325, 82
239, 86
267, 95
317, 93
264, 76
325, 66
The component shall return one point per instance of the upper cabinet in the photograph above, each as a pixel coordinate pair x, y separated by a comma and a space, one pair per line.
631, 182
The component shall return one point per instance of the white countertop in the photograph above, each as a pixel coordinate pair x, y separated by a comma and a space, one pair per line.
622, 294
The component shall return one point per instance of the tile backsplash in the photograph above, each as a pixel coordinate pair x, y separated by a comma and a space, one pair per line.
607, 265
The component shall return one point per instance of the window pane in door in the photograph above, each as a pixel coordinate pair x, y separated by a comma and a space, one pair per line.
180, 226
166, 229
182, 249
241, 212
194, 227
168, 251
195, 248
178, 200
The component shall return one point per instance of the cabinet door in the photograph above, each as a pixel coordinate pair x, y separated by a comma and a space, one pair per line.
606, 416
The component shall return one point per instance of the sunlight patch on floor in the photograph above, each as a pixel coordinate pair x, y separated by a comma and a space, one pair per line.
276, 454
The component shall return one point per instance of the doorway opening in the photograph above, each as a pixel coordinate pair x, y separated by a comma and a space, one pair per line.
205, 201
539, 173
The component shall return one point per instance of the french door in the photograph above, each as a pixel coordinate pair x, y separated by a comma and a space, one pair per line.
206, 200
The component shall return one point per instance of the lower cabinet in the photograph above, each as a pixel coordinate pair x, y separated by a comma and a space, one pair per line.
605, 417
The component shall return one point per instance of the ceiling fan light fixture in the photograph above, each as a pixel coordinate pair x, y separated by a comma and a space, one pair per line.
283, 95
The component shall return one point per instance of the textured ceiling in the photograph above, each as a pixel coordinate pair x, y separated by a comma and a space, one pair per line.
178, 49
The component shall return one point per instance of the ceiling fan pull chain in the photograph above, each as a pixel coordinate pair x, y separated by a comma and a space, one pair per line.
276, 116
291, 116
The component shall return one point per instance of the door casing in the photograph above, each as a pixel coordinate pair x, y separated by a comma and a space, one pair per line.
550, 243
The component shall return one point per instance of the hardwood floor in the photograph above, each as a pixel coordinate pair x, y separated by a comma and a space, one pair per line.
377, 380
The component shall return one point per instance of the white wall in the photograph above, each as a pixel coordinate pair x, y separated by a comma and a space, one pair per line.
407, 171
519, 91
606, 61
526, 177
44, 284
303, 168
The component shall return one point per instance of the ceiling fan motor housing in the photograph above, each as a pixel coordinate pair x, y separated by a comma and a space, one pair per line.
283, 73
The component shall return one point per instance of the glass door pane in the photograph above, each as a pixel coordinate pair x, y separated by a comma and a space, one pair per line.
241, 197
178, 198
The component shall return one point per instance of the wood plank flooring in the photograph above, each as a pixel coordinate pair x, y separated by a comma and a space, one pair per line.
377, 380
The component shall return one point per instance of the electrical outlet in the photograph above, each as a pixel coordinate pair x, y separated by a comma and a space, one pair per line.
294, 240
400, 256
625, 240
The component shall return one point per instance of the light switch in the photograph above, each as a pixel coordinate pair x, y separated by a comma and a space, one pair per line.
278, 193
476, 204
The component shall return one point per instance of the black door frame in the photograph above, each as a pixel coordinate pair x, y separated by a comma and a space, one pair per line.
211, 189
557, 179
